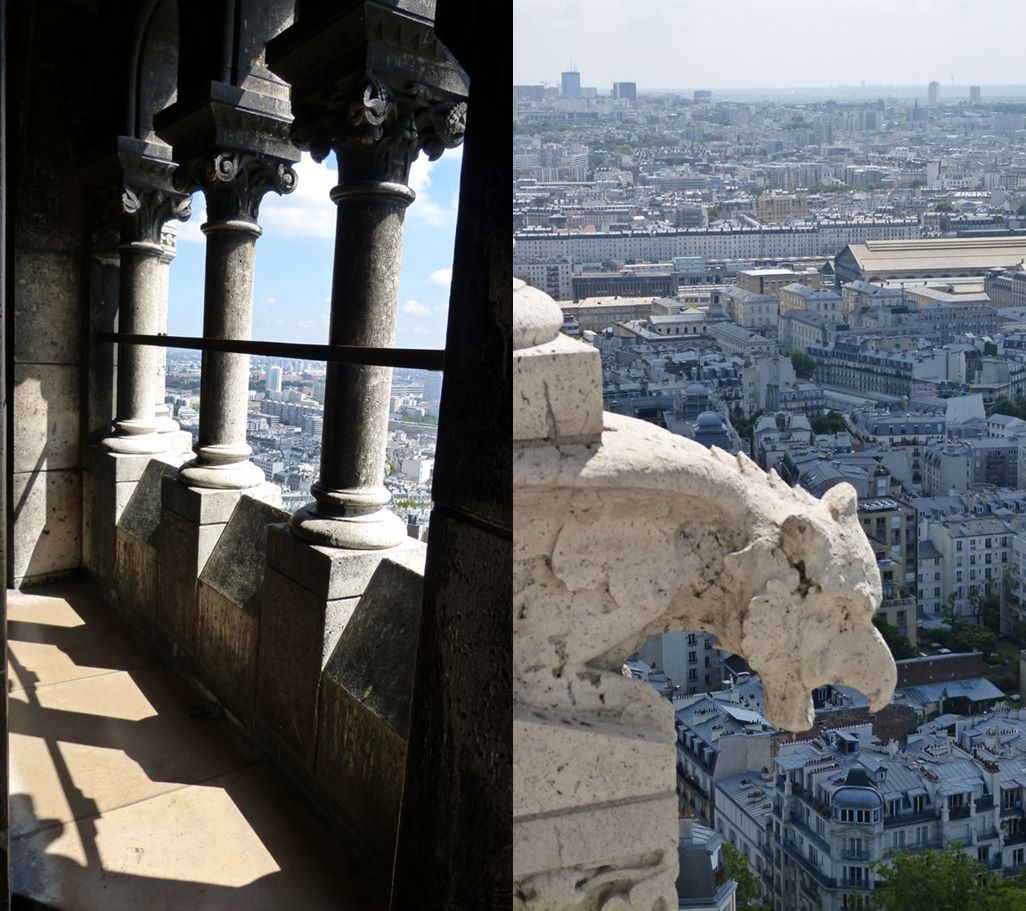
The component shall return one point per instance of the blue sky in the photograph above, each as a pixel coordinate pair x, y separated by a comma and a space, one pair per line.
294, 259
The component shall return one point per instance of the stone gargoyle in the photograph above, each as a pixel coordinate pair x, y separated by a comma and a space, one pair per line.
647, 532
622, 530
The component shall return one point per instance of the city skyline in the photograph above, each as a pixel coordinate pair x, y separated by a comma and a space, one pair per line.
684, 45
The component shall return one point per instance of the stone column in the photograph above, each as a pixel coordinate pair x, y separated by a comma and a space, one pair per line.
234, 184
148, 201
169, 248
376, 136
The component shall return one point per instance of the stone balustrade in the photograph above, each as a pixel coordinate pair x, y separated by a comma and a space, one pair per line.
621, 531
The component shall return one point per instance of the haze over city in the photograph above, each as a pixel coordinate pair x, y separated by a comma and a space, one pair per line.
755, 44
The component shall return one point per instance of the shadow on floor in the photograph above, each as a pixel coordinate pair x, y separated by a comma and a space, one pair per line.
126, 794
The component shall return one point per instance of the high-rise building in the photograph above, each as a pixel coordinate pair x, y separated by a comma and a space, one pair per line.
571, 84
933, 92
974, 94
274, 379
703, 95
627, 91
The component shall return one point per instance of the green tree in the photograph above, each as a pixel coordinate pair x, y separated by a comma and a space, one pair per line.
804, 365
714, 213
944, 207
944, 880
898, 643
831, 422
969, 638
748, 894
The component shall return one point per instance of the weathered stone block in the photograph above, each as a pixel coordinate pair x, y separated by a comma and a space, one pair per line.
569, 852
298, 632
47, 507
136, 583
110, 482
331, 572
46, 417
558, 391
46, 311
136, 540
192, 520
365, 706
230, 595
561, 766
183, 551
205, 506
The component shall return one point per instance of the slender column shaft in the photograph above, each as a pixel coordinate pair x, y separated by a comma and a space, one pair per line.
222, 454
140, 288
165, 423
364, 298
233, 184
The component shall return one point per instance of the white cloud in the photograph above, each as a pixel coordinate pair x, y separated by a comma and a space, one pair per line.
416, 308
189, 231
306, 212
441, 277
420, 330
424, 207
268, 301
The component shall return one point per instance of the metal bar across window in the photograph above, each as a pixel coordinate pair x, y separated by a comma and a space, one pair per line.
411, 358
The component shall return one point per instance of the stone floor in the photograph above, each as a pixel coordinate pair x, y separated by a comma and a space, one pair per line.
127, 792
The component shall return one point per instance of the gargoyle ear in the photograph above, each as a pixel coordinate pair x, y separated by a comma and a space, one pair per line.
842, 501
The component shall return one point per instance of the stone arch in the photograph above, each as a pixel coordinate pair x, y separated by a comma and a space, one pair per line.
153, 67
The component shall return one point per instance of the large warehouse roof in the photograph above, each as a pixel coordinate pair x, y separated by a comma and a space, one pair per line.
941, 255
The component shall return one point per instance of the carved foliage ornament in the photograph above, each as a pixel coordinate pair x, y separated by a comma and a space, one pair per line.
392, 125
631, 884
234, 183
145, 210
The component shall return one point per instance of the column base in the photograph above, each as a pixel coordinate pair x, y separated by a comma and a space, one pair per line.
136, 443
229, 476
371, 531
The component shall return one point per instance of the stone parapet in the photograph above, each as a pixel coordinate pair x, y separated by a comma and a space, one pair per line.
192, 521
310, 595
230, 600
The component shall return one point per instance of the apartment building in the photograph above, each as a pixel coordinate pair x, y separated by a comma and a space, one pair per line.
841, 802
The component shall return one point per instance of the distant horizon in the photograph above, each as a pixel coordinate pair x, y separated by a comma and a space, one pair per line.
804, 43
945, 88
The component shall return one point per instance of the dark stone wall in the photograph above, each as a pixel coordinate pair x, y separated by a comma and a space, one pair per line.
455, 833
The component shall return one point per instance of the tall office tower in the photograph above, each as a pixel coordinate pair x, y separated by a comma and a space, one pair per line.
274, 379
933, 92
974, 94
627, 91
571, 84
703, 95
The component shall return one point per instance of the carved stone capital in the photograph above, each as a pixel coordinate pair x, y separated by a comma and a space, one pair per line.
149, 198
234, 183
378, 129
145, 211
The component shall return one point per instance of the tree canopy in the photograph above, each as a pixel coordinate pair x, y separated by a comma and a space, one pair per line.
748, 895
831, 422
899, 644
943, 880
804, 365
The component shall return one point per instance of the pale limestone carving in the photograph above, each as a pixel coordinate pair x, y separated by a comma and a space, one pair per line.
622, 530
